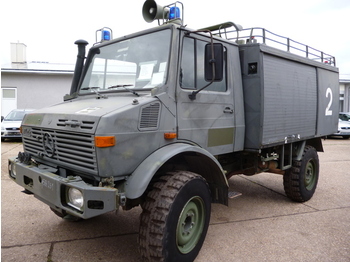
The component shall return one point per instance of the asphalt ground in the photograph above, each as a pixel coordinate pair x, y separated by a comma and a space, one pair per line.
260, 225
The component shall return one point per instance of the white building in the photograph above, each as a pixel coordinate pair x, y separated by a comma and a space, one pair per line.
344, 103
34, 84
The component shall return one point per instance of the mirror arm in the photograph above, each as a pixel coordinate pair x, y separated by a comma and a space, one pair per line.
193, 95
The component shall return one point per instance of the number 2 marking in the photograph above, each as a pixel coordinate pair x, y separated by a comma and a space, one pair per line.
330, 94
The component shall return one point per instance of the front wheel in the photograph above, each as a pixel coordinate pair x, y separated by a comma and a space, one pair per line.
300, 181
175, 218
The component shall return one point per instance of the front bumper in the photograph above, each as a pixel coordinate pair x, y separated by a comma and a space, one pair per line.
342, 133
10, 134
53, 190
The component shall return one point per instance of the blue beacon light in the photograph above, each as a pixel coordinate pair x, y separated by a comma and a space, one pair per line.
106, 35
103, 34
174, 13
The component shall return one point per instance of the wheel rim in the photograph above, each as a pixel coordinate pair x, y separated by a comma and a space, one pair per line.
310, 175
190, 225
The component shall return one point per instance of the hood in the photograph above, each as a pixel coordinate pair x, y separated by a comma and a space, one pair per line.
10, 124
80, 115
344, 124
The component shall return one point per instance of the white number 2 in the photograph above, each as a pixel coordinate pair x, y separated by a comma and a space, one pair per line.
330, 95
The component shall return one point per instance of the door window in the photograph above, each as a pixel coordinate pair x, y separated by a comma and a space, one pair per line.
192, 67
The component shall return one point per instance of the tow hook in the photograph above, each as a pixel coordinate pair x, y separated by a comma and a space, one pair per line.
122, 199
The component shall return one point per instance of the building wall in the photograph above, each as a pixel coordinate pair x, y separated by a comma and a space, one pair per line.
347, 99
37, 90
344, 88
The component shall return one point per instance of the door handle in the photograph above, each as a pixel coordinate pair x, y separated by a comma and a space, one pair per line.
228, 110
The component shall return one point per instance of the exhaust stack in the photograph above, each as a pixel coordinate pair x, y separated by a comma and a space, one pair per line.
78, 66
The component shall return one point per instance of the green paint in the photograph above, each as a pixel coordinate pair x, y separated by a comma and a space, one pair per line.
33, 119
220, 136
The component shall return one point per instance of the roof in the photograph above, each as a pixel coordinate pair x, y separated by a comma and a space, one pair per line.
38, 67
344, 81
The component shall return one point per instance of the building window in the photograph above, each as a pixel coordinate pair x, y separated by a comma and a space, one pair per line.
8, 93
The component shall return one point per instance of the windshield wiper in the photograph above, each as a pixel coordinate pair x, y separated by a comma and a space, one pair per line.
93, 88
124, 86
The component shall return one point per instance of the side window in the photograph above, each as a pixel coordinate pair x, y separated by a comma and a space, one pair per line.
187, 74
192, 67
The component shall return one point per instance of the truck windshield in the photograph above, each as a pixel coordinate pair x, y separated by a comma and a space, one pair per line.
139, 63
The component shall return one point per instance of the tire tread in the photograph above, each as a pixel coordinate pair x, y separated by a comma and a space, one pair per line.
291, 179
155, 211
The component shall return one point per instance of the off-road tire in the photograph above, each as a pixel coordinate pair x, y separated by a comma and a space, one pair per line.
300, 181
175, 218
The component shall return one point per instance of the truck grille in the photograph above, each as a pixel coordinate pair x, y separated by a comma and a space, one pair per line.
82, 124
71, 150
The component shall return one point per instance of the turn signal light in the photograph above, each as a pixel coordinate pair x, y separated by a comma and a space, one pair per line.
104, 141
170, 135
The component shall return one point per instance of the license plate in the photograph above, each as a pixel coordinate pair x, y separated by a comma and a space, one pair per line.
47, 184
14, 134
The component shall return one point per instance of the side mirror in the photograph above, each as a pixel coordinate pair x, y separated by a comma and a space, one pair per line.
2, 118
216, 61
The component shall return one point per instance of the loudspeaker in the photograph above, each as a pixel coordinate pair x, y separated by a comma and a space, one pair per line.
151, 11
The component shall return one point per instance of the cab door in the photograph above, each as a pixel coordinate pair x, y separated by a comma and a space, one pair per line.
207, 120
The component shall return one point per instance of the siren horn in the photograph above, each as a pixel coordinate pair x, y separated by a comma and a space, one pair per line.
151, 11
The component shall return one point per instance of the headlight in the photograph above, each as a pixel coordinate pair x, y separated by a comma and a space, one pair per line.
75, 198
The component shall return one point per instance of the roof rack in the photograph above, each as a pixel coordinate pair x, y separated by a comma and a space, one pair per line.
235, 32
222, 30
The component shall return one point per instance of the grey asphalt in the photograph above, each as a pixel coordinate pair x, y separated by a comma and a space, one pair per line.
260, 225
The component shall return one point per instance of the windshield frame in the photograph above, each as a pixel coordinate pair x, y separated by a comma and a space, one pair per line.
123, 88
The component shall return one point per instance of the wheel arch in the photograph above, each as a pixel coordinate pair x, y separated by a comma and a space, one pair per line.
316, 143
179, 156
298, 150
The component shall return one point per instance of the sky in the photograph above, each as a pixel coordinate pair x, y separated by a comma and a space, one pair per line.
49, 29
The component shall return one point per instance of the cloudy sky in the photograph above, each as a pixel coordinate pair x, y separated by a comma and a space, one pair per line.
49, 28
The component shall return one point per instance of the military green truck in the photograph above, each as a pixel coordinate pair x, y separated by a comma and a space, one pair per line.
164, 117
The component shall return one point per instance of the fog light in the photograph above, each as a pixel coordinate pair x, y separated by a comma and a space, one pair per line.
75, 198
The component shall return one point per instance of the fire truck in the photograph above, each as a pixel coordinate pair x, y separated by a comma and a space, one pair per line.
162, 118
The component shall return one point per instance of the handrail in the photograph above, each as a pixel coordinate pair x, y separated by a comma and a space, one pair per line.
261, 35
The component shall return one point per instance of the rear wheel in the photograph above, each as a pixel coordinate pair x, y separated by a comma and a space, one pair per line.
300, 181
175, 218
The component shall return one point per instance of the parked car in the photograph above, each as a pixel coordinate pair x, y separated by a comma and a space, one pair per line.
11, 124
344, 116
343, 128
